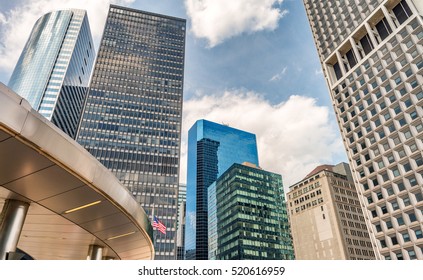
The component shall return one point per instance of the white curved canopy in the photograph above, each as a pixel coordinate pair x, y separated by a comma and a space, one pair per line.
42, 165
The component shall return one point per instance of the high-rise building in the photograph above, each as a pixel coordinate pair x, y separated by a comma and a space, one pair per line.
327, 222
212, 149
251, 216
132, 117
180, 226
371, 55
54, 68
212, 221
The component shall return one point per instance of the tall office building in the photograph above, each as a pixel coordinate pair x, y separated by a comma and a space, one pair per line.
54, 68
251, 216
327, 222
180, 225
212, 149
132, 117
371, 55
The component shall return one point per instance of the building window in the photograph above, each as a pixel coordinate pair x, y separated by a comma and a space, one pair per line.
418, 196
382, 243
412, 254
383, 28
412, 180
352, 61
366, 43
402, 11
337, 69
412, 217
394, 205
394, 240
383, 209
400, 221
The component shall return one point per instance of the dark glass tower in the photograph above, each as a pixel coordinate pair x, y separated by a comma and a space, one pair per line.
252, 220
212, 149
132, 118
54, 68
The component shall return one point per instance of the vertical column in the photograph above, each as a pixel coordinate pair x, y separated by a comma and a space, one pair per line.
14, 213
341, 63
388, 17
371, 34
95, 252
355, 50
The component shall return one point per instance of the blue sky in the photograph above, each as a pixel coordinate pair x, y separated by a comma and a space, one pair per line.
249, 63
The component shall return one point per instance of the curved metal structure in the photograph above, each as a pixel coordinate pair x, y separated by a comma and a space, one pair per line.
74, 201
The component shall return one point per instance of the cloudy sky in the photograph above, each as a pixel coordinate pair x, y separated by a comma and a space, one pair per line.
251, 64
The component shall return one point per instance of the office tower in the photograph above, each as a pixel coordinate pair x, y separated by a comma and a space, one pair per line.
252, 220
327, 222
54, 68
212, 221
372, 59
180, 226
132, 118
212, 148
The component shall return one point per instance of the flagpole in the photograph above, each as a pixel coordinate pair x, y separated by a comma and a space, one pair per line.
152, 220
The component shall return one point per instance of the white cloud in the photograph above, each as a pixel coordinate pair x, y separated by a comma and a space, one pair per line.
279, 75
293, 137
217, 20
16, 24
318, 71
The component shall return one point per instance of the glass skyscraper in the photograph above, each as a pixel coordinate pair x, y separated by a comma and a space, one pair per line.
132, 118
251, 215
180, 226
212, 149
372, 57
54, 68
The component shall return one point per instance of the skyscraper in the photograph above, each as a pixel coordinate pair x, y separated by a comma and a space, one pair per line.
212, 149
327, 222
180, 226
251, 215
54, 68
132, 118
371, 55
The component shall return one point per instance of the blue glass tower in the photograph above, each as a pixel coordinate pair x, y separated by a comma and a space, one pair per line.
54, 68
212, 149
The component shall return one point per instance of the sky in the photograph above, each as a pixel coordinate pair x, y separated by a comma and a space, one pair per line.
251, 64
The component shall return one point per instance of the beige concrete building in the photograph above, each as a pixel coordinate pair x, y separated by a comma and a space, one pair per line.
326, 219
372, 58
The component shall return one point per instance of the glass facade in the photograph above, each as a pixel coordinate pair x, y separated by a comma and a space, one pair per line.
376, 87
132, 118
180, 226
212, 149
212, 221
54, 68
252, 220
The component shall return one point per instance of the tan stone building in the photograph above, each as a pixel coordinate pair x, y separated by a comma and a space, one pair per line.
326, 219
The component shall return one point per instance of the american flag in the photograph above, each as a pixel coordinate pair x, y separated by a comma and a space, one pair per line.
159, 225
